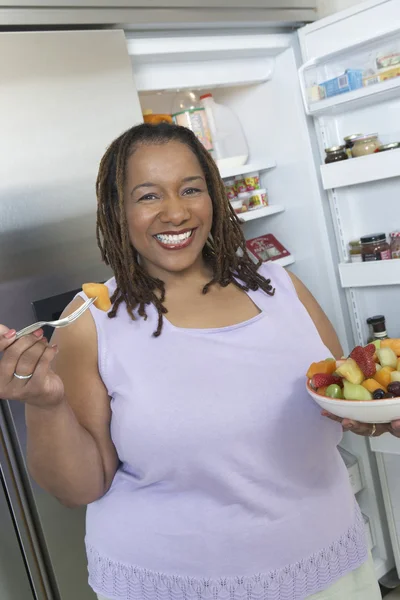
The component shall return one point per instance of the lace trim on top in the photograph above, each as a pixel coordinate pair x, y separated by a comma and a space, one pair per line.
118, 581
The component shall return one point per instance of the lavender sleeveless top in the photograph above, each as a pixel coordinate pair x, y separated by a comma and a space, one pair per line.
230, 484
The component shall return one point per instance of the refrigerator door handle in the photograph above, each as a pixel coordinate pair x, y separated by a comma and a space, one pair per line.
306, 65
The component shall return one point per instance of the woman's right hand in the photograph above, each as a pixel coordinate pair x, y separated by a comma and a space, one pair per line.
29, 354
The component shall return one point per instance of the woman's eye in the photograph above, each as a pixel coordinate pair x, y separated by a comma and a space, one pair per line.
191, 191
148, 197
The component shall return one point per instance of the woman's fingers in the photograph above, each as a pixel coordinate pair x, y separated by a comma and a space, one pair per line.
28, 361
364, 429
14, 351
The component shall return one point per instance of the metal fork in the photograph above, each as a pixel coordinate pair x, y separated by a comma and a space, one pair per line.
59, 323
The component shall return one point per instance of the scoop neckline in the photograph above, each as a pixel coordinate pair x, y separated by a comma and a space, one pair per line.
262, 314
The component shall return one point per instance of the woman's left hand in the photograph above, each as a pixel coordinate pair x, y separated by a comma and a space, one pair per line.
365, 429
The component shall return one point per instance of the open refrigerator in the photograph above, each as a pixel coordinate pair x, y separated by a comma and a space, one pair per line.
268, 79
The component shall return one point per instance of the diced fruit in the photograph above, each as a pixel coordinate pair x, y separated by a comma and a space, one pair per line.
389, 395
378, 367
393, 344
324, 379
371, 385
330, 358
364, 359
324, 366
395, 375
387, 357
350, 371
383, 376
394, 388
322, 390
371, 349
100, 292
376, 343
398, 365
378, 394
353, 391
334, 391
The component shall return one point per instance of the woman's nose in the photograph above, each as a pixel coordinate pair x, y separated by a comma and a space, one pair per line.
174, 210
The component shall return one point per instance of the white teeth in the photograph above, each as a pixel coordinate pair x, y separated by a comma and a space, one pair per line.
174, 239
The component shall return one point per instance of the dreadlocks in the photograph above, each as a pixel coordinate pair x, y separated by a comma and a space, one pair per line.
225, 250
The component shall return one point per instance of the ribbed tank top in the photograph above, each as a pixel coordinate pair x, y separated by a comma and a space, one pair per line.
230, 485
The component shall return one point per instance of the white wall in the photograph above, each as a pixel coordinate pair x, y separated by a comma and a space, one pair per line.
328, 7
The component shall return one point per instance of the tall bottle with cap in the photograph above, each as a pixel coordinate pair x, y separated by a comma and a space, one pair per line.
188, 111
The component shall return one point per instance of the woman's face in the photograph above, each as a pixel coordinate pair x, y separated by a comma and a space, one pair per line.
168, 208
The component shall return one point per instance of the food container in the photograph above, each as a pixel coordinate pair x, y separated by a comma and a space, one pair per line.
252, 181
334, 154
230, 189
385, 60
155, 119
353, 469
240, 184
395, 244
392, 146
375, 247
349, 142
351, 79
366, 144
237, 205
258, 198
245, 198
355, 251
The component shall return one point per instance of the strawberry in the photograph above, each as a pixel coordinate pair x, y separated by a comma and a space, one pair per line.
371, 349
323, 379
365, 360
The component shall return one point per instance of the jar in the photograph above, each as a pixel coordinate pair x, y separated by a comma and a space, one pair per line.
258, 199
377, 325
395, 244
375, 247
392, 146
334, 154
355, 251
244, 197
237, 205
349, 142
240, 184
252, 181
365, 144
230, 189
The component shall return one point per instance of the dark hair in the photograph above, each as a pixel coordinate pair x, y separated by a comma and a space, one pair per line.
225, 250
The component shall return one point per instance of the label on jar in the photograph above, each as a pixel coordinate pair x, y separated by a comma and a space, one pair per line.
196, 120
355, 258
252, 183
241, 186
384, 255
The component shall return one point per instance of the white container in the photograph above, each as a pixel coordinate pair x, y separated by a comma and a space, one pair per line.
230, 188
229, 142
245, 198
353, 469
188, 111
258, 199
252, 181
237, 205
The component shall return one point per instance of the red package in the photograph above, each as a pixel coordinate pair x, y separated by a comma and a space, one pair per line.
266, 247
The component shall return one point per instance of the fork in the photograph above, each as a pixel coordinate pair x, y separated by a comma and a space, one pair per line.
59, 323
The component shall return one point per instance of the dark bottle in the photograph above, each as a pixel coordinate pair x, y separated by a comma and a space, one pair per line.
377, 327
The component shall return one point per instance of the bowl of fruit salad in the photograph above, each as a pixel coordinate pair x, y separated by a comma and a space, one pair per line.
363, 387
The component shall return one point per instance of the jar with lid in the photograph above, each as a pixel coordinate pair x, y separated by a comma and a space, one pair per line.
355, 251
365, 144
334, 154
395, 244
375, 247
391, 146
349, 142
377, 326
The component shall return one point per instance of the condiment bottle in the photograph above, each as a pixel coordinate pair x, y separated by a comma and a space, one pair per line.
366, 144
355, 251
349, 142
375, 247
334, 154
378, 328
395, 244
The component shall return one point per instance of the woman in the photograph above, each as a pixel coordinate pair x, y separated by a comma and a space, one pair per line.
181, 417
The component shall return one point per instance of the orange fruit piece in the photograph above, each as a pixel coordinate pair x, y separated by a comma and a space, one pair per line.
393, 343
371, 385
383, 376
322, 390
99, 291
324, 366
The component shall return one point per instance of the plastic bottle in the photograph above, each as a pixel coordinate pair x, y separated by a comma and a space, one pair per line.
229, 141
188, 111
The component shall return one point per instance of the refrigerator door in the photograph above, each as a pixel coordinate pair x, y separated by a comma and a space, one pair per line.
66, 96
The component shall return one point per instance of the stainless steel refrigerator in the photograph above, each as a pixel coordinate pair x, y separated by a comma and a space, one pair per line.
64, 96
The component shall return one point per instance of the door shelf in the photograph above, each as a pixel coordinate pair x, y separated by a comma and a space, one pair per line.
373, 167
285, 261
259, 213
357, 99
370, 274
261, 165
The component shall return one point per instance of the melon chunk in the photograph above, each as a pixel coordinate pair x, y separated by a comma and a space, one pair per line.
100, 292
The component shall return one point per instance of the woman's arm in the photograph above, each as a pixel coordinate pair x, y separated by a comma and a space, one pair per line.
322, 323
70, 452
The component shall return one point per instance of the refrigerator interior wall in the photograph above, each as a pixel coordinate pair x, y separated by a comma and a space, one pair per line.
272, 116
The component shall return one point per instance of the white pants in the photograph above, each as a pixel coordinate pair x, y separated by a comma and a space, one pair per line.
360, 584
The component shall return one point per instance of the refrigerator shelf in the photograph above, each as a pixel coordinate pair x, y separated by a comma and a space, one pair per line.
370, 274
374, 167
259, 213
261, 165
285, 261
357, 99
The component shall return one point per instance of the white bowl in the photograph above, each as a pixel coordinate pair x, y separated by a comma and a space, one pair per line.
365, 411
